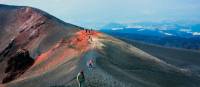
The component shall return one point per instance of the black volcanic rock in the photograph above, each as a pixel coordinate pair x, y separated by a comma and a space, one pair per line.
17, 65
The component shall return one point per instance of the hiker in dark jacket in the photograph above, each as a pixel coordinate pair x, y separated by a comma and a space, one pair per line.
81, 79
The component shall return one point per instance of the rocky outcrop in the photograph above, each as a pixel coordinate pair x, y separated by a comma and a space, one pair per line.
17, 65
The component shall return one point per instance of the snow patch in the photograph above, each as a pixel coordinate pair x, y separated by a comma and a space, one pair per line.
141, 30
189, 31
196, 33
136, 26
117, 28
185, 30
169, 34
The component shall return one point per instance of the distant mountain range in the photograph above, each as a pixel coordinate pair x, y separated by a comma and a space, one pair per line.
164, 34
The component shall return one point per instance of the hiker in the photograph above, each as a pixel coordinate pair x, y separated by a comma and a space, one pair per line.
91, 39
81, 79
85, 30
90, 64
89, 36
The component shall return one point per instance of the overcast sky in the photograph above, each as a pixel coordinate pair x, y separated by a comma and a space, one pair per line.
97, 12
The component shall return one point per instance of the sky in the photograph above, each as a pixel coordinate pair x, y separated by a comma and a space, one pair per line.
95, 13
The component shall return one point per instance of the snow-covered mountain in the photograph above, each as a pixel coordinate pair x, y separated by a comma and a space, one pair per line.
169, 35
163, 29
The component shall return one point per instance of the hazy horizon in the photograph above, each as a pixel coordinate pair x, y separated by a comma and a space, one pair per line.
94, 13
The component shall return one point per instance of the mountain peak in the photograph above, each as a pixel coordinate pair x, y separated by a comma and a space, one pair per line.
28, 32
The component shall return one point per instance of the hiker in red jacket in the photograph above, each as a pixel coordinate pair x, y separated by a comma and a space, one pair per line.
90, 64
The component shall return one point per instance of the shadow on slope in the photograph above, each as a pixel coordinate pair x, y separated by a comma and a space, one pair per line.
137, 69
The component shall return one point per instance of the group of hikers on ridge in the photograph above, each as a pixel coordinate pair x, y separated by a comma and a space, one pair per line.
90, 64
81, 77
88, 30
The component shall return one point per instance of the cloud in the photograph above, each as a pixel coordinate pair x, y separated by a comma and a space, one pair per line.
185, 30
